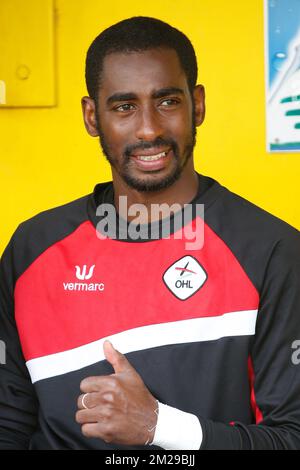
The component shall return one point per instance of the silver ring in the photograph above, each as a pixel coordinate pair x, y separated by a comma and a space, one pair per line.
82, 401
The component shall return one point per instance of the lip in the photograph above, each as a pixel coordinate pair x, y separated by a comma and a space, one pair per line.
155, 165
146, 153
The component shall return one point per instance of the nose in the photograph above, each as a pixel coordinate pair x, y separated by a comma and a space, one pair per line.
148, 125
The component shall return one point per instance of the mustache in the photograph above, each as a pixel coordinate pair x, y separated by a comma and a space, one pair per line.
157, 143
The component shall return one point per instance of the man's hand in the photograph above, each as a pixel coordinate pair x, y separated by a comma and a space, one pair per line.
120, 407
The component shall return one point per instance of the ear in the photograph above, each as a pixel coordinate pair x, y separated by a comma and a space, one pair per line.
199, 99
89, 115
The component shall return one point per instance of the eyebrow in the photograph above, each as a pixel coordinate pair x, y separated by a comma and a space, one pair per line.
132, 96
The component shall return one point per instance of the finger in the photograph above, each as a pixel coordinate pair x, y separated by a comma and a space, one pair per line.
97, 383
87, 416
97, 430
97, 414
86, 400
118, 361
93, 399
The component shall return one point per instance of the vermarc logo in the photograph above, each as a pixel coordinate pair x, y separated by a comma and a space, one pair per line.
185, 277
81, 274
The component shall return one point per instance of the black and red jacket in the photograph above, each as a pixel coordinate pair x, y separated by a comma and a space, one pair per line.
222, 351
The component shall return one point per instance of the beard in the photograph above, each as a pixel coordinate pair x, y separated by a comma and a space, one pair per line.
155, 183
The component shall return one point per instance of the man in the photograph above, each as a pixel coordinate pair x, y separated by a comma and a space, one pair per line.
120, 341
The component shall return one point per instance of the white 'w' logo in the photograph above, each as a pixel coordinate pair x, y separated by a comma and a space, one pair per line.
81, 274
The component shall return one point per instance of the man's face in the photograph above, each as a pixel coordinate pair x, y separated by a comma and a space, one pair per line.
145, 118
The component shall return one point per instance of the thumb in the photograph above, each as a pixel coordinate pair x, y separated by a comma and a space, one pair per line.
118, 361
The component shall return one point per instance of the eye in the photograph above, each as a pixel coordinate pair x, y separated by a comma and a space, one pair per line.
169, 102
123, 108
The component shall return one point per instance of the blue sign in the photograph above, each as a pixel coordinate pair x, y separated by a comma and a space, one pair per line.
283, 74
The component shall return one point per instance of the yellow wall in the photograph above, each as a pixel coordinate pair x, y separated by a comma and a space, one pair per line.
47, 159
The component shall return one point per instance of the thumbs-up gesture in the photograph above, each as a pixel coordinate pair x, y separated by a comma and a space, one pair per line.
117, 408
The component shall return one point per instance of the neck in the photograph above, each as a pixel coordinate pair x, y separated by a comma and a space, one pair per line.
180, 193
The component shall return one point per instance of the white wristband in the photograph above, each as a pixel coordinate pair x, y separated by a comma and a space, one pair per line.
176, 429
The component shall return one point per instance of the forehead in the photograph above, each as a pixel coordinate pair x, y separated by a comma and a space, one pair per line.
144, 71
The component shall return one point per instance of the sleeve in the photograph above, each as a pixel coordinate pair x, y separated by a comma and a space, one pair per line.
276, 368
176, 429
18, 403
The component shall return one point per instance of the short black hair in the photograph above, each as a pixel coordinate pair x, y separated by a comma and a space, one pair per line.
138, 34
